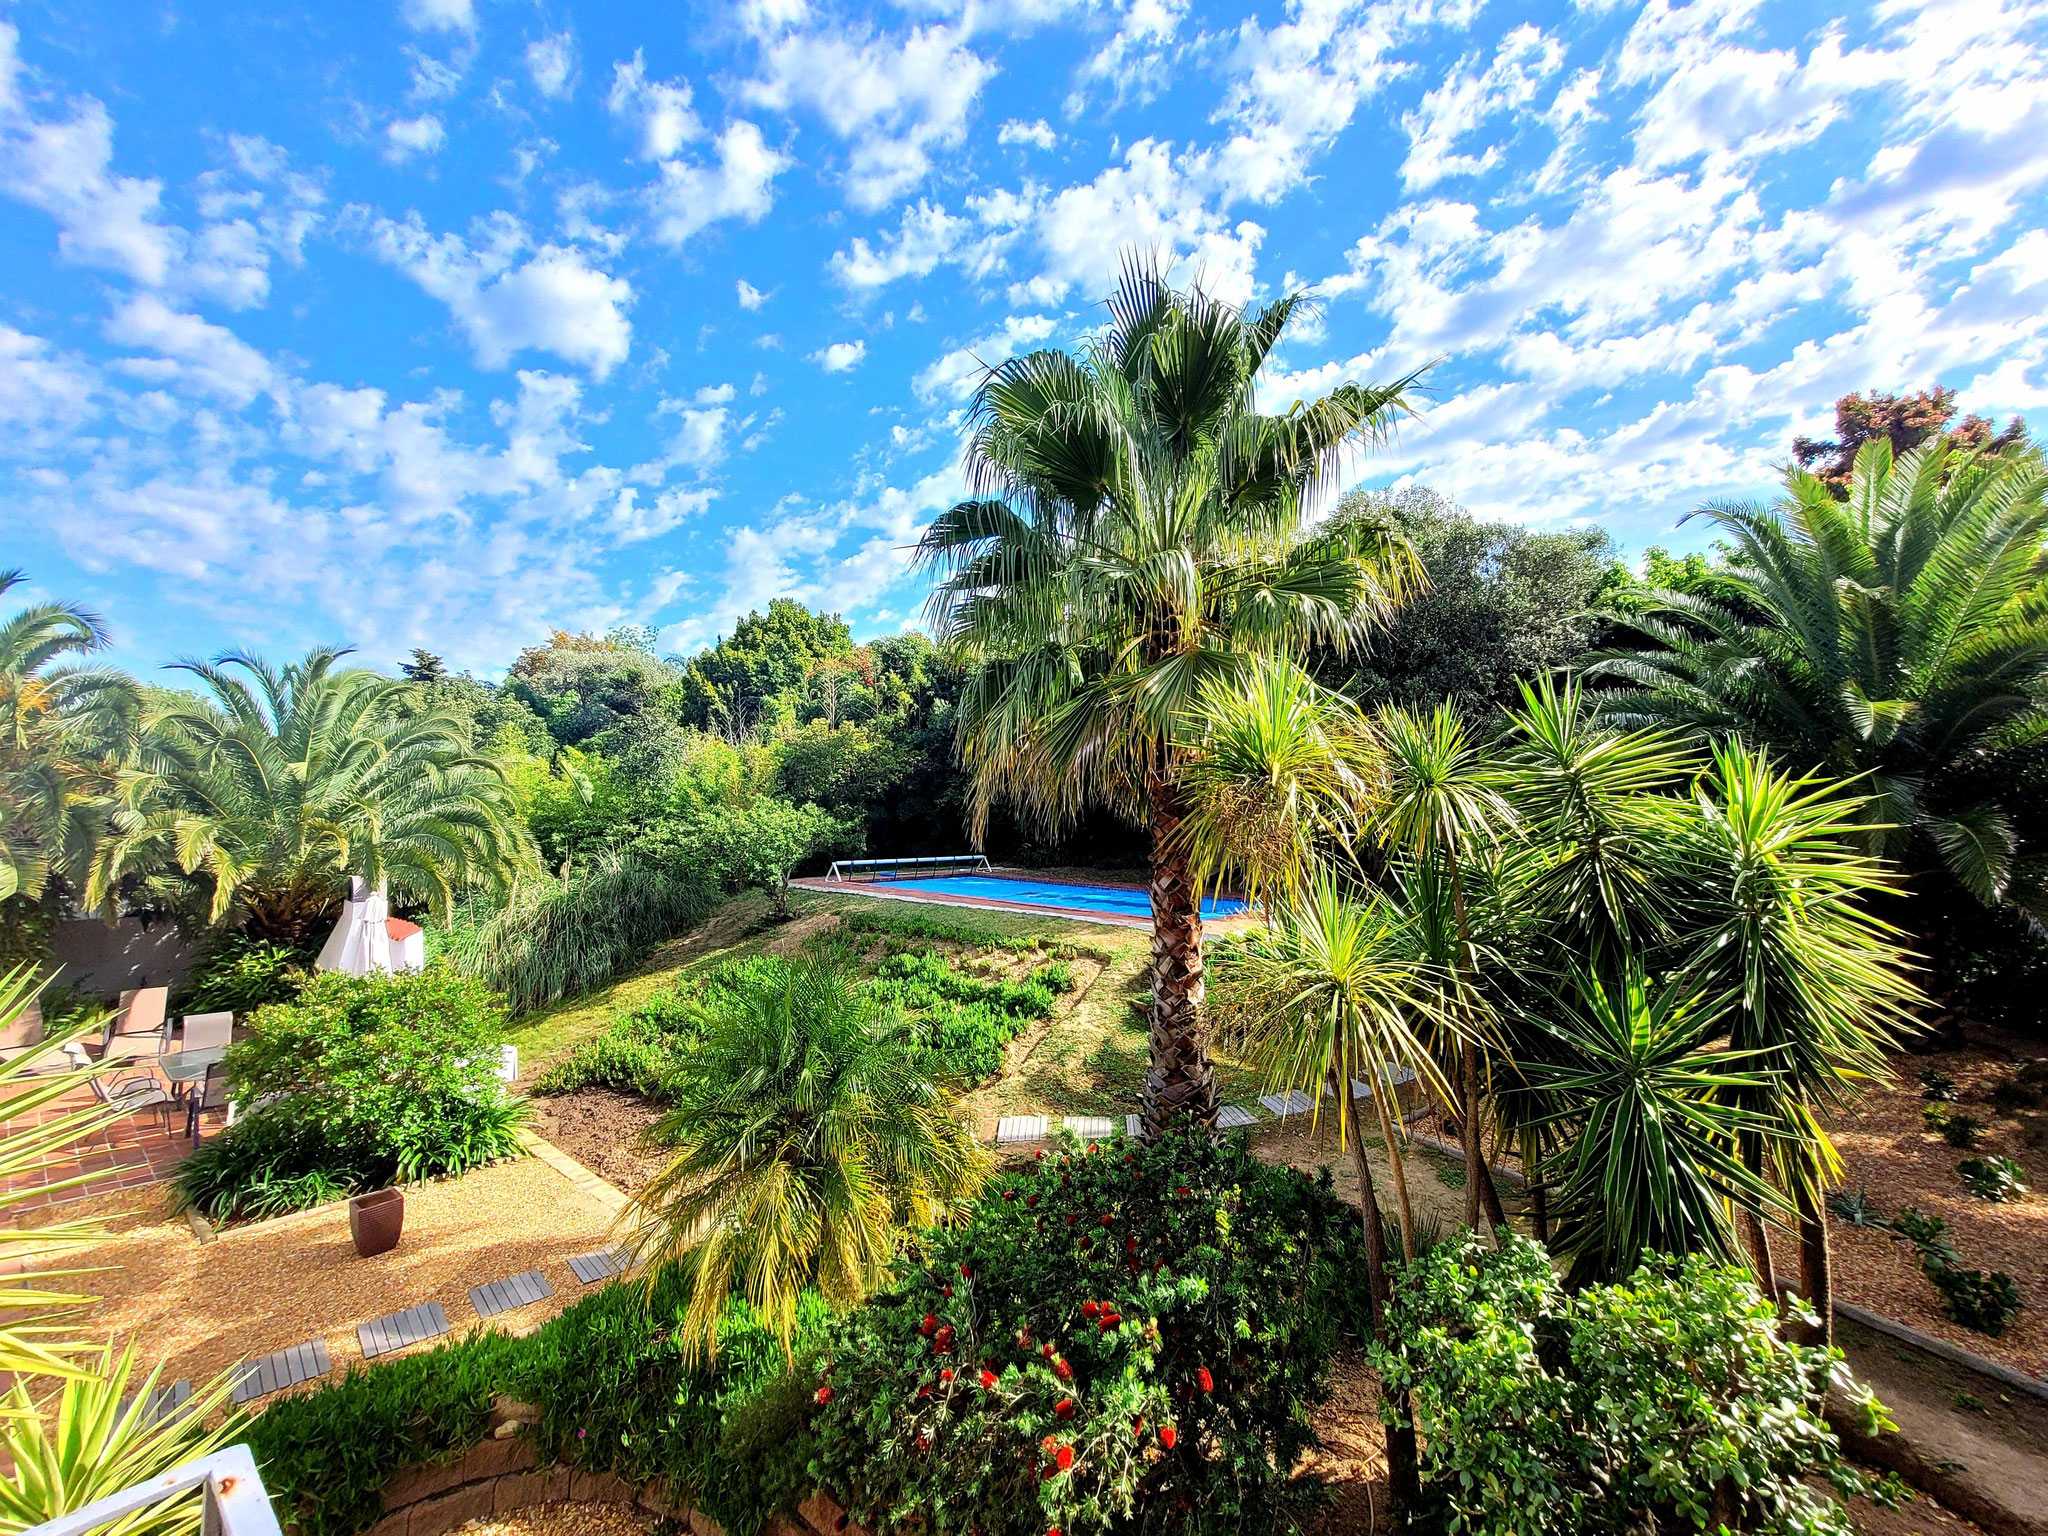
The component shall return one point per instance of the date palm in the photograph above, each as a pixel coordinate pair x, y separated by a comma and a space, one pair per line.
62, 728
1137, 528
292, 779
1898, 638
807, 1137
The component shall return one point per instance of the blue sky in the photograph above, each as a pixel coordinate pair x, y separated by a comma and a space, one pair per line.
448, 322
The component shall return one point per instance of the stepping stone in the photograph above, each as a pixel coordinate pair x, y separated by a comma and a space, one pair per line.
1090, 1127
286, 1368
395, 1330
1292, 1102
1020, 1128
1134, 1127
161, 1403
1233, 1117
601, 1265
504, 1295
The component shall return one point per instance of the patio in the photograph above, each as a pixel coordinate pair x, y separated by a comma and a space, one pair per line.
134, 1151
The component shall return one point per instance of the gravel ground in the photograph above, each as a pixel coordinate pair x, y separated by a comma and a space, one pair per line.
199, 1308
560, 1520
1890, 1154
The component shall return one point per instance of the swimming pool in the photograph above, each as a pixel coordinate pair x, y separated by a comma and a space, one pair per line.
1113, 900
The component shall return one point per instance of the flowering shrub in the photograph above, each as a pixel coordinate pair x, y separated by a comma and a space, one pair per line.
1666, 1401
1120, 1337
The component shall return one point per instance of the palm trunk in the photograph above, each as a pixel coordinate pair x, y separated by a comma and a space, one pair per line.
1756, 1237
1539, 1194
1815, 1279
1479, 1190
1181, 1082
1404, 1469
1394, 1167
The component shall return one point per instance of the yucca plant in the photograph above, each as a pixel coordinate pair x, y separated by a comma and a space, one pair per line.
1137, 526
101, 1433
808, 1135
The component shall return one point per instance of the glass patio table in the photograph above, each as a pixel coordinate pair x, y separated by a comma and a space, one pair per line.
190, 1066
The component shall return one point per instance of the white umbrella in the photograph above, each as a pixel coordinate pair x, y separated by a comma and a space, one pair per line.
360, 942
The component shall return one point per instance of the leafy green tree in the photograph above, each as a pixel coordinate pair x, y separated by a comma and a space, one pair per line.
423, 667
767, 657
1501, 603
760, 844
498, 722
807, 1136
292, 779
582, 684
848, 772
1897, 639
1140, 526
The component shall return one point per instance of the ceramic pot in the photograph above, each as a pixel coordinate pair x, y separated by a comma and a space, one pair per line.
375, 1220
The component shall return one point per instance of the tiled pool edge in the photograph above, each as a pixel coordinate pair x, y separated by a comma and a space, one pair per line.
882, 892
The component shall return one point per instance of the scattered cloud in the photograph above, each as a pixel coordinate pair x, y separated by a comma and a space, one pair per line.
551, 64
840, 356
738, 184
440, 15
406, 137
749, 296
657, 112
1037, 133
956, 375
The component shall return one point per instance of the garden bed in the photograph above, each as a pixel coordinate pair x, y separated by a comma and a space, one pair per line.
1890, 1155
561, 1520
599, 1128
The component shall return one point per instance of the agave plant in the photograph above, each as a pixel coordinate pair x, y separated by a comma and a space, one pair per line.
296, 778
1139, 527
104, 1432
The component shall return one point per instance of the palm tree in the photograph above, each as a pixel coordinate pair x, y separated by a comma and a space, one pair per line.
61, 729
1898, 638
807, 1137
292, 779
1818, 987
1139, 527
1444, 806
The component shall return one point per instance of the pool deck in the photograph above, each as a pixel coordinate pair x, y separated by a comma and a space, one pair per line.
885, 892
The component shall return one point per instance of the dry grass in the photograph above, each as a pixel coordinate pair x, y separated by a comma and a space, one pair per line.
199, 1308
1890, 1153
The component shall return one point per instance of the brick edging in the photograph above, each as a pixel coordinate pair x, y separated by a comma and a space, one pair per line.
502, 1474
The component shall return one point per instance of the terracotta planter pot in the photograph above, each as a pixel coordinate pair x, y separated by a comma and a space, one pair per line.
375, 1220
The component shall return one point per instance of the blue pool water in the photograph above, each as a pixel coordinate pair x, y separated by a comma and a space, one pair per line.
1122, 901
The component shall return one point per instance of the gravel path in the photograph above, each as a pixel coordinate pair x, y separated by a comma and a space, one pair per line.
560, 1520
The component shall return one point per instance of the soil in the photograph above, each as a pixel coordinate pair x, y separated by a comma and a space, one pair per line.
560, 1520
601, 1129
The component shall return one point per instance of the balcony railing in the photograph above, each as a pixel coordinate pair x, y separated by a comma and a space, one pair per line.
236, 1504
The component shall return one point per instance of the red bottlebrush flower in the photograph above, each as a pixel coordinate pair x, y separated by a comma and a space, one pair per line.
1054, 1531
1063, 1409
1130, 1245
1031, 1200
1066, 1178
1138, 1424
1203, 1379
924, 1391
988, 1380
1108, 1323
1047, 1474
1009, 1194
1090, 1308
1023, 1338
924, 1441
1049, 1445
1041, 1223
942, 1341
1161, 1264
1064, 1371
1182, 1191
1045, 1349
1127, 1157
946, 1378
1093, 1149
1087, 1243
1065, 1458
1134, 1265
824, 1394
1039, 1154
947, 1292
1071, 1218
929, 1326
966, 1273
1167, 1435
1107, 1219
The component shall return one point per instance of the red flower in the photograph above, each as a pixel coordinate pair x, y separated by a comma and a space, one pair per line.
1023, 1338
1203, 1379
924, 1441
1130, 1245
1055, 1531
946, 1291
1031, 1199
1039, 1154
1071, 1219
1045, 1349
1009, 1194
924, 1391
1138, 1424
1182, 1191
966, 1273
946, 1378
1107, 1219
1066, 1178
1167, 1436
1064, 1371
1161, 1264
1090, 1308
1066, 1458
1049, 1446
1041, 1223
942, 1341
1064, 1408
1087, 1243
824, 1394
1092, 1149
1109, 1322
988, 1380
928, 1326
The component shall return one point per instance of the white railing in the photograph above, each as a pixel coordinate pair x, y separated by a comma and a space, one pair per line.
236, 1504
842, 869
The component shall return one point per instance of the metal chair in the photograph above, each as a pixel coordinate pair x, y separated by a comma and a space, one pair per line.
213, 1094
202, 1031
133, 1095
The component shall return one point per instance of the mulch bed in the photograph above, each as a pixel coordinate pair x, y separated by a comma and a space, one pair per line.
560, 1520
601, 1129
1891, 1155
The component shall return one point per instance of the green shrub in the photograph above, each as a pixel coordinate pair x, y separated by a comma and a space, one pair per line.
1961, 1130
1118, 1336
1982, 1302
239, 974
561, 938
1997, 1179
964, 1020
374, 1078
1936, 1086
1666, 1401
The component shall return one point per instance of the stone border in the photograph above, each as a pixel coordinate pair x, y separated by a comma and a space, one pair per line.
1941, 1349
503, 1474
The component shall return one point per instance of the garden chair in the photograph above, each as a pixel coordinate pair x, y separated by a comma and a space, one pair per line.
24, 1037
140, 1028
132, 1094
213, 1094
202, 1031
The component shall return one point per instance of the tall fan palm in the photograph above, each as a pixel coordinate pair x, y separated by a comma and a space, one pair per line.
1818, 986
1138, 527
61, 730
300, 776
807, 1137
1899, 637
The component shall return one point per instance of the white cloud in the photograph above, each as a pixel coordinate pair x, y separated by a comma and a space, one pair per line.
553, 301
551, 63
956, 375
894, 100
1037, 133
928, 236
1136, 62
1470, 97
840, 356
406, 137
749, 296
440, 15
189, 350
657, 112
41, 392
740, 185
